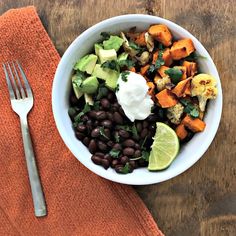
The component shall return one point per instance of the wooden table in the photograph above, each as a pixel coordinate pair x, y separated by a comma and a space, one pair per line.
201, 201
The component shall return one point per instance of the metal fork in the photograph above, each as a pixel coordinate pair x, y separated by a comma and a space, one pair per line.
22, 102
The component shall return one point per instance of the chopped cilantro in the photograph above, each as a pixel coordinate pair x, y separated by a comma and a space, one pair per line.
145, 155
102, 132
175, 74
117, 137
124, 75
105, 35
86, 109
113, 65
114, 153
128, 63
102, 92
190, 108
117, 88
126, 169
134, 131
159, 62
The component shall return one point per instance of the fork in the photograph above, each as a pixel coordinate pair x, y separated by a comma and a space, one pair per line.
22, 101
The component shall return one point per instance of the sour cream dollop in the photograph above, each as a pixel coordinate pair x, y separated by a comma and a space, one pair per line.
132, 95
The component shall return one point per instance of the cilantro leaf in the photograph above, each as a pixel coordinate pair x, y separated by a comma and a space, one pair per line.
194, 56
102, 92
126, 169
117, 137
134, 131
128, 63
114, 153
105, 35
175, 74
135, 46
96, 106
159, 62
117, 88
145, 155
124, 75
190, 108
102, 132
113, 65
86, 109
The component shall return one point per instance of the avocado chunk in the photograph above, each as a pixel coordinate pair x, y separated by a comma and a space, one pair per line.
76, 82
110, 76
89, 85
114, 42
86, 63
88, 99
123, 56
97, 47
107, 55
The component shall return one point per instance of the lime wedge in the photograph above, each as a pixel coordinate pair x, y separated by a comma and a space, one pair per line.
165, 148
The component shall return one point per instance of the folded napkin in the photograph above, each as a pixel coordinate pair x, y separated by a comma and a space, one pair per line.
78, 201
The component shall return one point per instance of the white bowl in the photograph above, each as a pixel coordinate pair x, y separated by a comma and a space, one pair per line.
83, 44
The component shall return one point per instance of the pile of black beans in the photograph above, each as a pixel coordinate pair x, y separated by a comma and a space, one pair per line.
104, 131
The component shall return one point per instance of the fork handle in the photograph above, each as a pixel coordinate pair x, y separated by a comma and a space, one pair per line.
36, 188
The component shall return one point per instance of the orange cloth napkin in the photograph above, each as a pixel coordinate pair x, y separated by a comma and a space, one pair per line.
78, 201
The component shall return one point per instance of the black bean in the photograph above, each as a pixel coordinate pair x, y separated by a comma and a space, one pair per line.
124, 160
100, 154
105, 103
95, 132
115, 107
106, 123
95, 123
111, 96
107, 133
96, 160
124, 133
144, 133
129, 143
132, 164
86, 141
145, 124
121, 111
105, 163
92, 114
142, 162
152, 118
114, 163
89, 125
137, 146
136, 137
110, 143
139, 126
137, 153
118, 118
128, 151
119, 168
92, 146
81, 128
108, 157
101, 115
73, 100
117, 147
110, 116
102, 146
79, 135
84, 118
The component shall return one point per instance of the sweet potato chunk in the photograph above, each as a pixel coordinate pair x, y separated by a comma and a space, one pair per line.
144, 69
166, 57
166, 98
191, 68
181, 132
180, 89
162, 70
184, 71
161, 33
181, 48
196, 125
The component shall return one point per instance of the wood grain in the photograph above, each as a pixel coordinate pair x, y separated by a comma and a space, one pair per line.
201, 201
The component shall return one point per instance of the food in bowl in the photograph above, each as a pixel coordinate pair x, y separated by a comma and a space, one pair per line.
137, 96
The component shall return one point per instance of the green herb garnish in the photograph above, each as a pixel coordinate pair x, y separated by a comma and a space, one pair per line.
128, 63
124, 75
102, 132
126, 169
194, 56
190, 108
117, 137
114, 153
134, 131
86, 109
117, 88
135, 46
159, 62
113, 65
145, 155
96, 106
175, 74
102, 92
105, 35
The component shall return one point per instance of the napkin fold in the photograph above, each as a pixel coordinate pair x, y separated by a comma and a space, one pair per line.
78, 201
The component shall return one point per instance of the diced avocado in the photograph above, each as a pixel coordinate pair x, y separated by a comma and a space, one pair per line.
123, 56
88, 99
114, 42
107, 55
86, 63
111, 83
104, 73
76, 82
89, 85
97, 46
